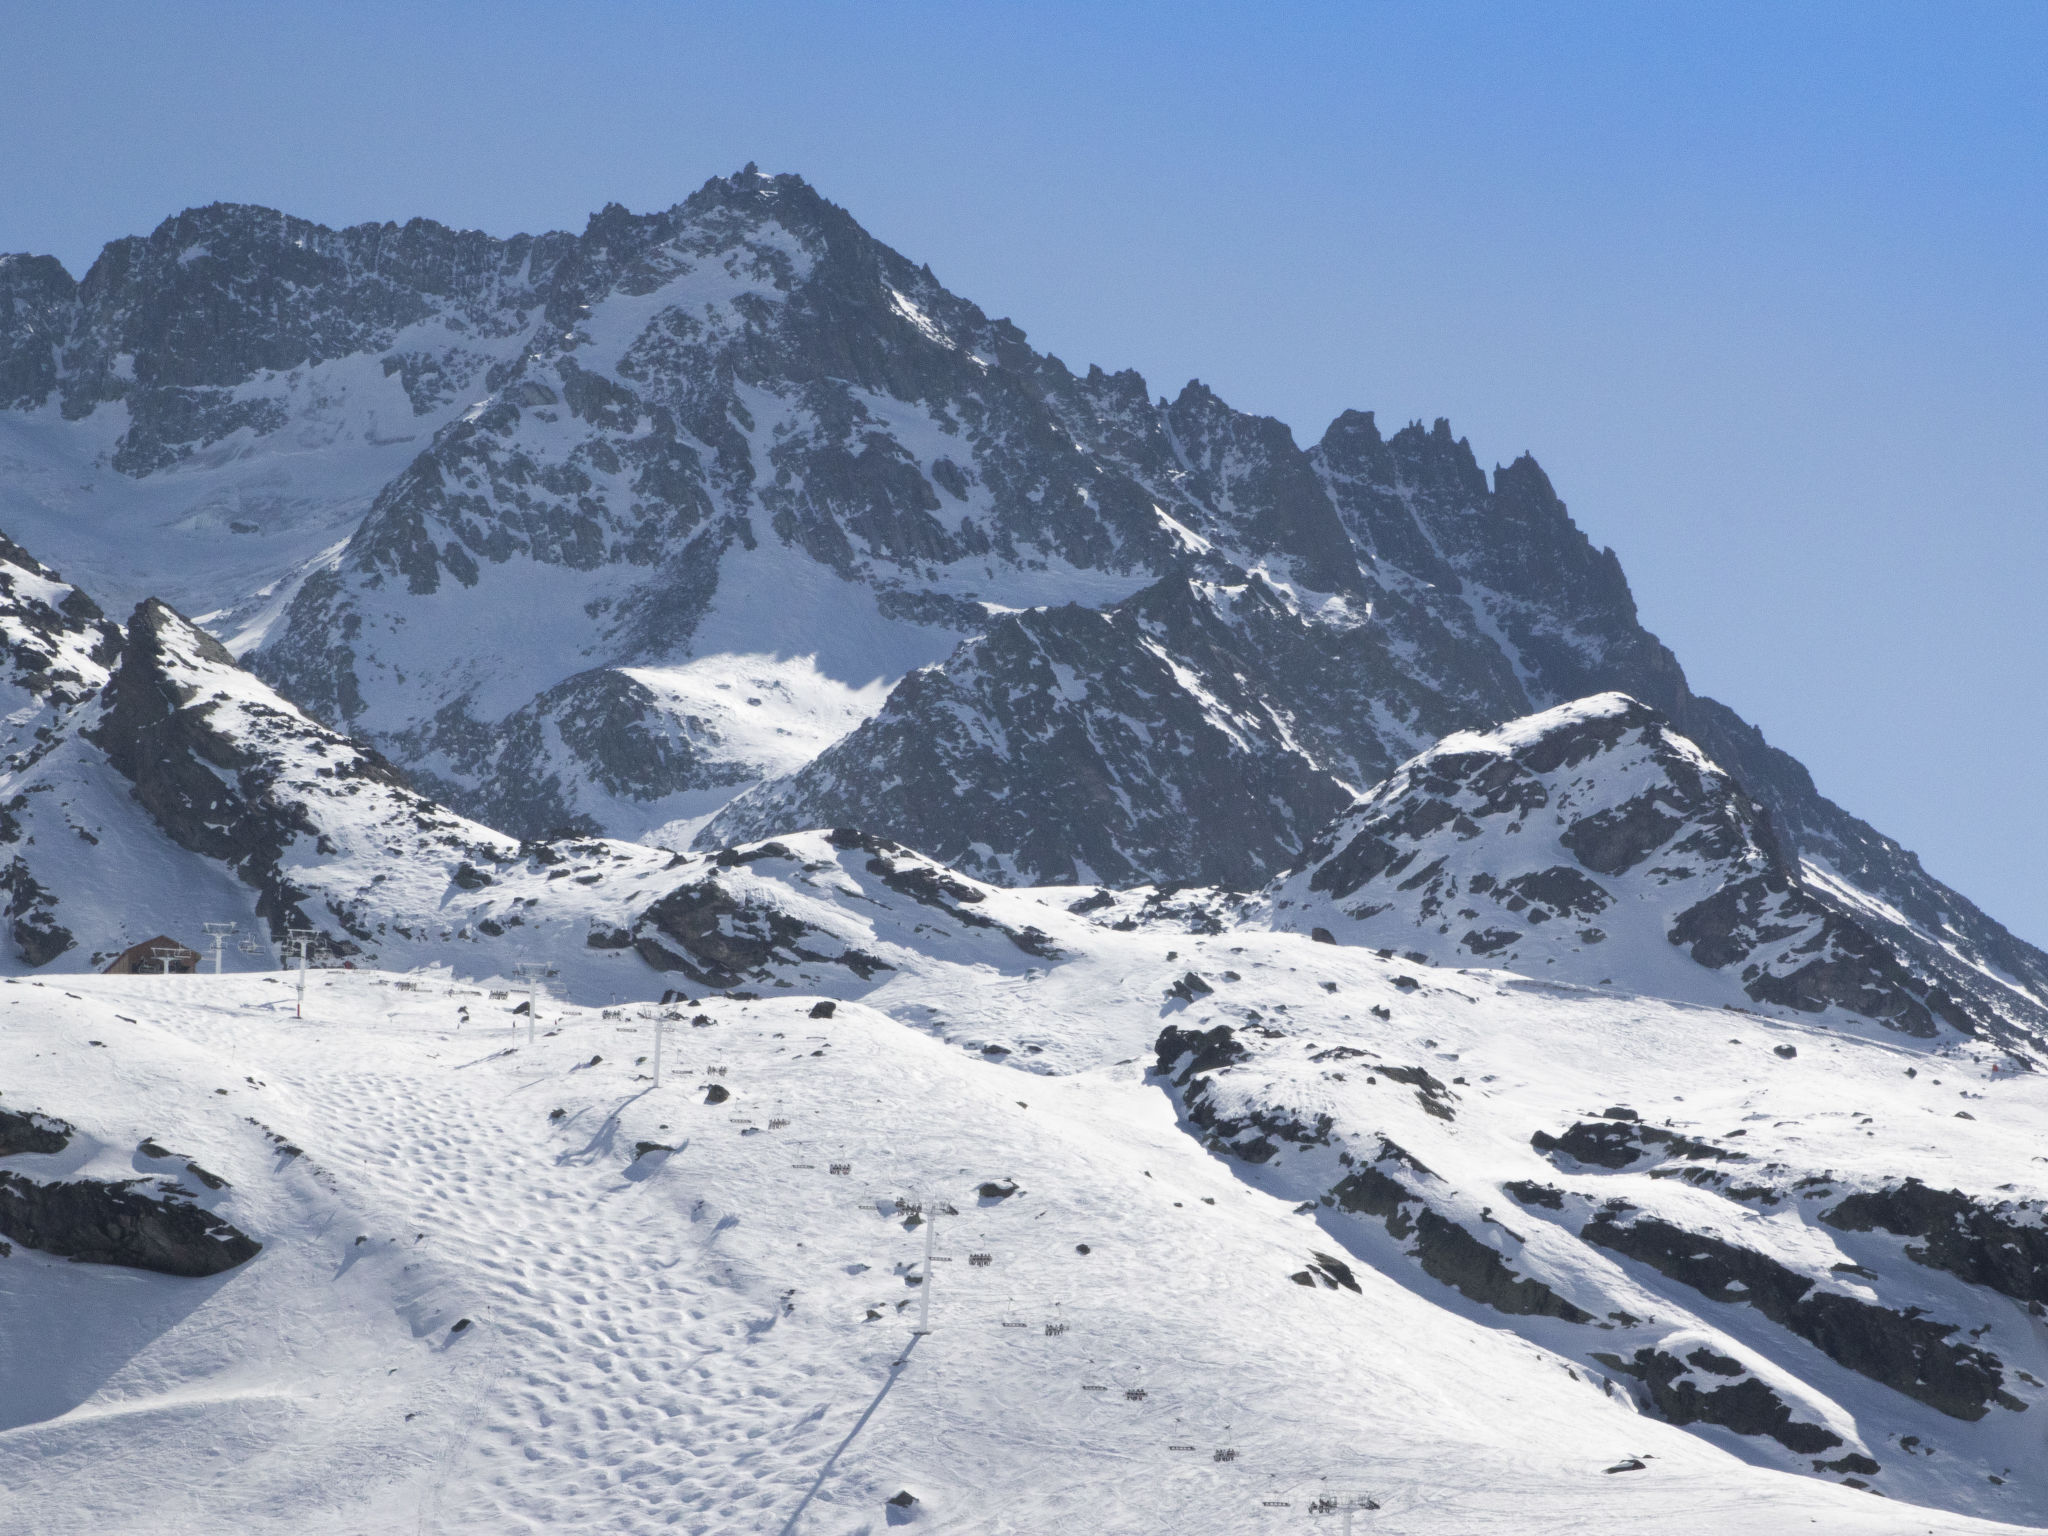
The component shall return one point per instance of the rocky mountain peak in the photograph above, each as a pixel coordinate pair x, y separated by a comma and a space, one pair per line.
1249, 469
745, 468
163, 643
1591, 843
37, 297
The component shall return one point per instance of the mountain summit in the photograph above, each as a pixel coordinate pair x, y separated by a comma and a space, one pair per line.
1593, 843
728, 520
1271, 912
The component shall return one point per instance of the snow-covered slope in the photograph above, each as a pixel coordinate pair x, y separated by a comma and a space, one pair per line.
1765, 1229
1592, 843
507, 1282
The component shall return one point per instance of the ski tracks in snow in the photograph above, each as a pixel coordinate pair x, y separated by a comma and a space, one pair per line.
614, 1361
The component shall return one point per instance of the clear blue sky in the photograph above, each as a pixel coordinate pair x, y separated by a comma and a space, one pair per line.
1761, 285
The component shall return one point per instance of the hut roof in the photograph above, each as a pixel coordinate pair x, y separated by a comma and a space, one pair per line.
143, 959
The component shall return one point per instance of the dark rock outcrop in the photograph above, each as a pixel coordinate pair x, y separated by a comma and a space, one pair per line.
1909, 1353
1447, 1252
28, 1131
139, 1223
1746, 1406
1195, 1051
719, 939
1623, 1143
2003, 1246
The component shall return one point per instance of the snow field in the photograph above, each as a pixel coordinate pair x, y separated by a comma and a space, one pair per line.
171, 534
680, 1340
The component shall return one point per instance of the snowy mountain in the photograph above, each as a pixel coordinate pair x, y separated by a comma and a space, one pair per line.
156, 785
740, 451
1594, 842
1357, 1022
1074, 744
745, 431
188, 791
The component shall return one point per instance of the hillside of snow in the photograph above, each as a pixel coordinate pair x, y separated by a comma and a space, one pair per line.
508, 1283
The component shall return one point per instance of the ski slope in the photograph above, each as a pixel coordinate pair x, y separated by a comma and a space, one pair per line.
669, 1300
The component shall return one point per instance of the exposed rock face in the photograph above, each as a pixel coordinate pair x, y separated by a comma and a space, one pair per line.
140, 1223
594, 739
716, 940
1071, 745
1627, 1144
723, 926
229, 771
1446, 1251
32, 1132
1449, 1253
37, 302
1687, 1391
1907, 1352
2002, 1246
1194, 1051
57, 649
906, 872
1583, 841
1236, 1119
1504, 559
